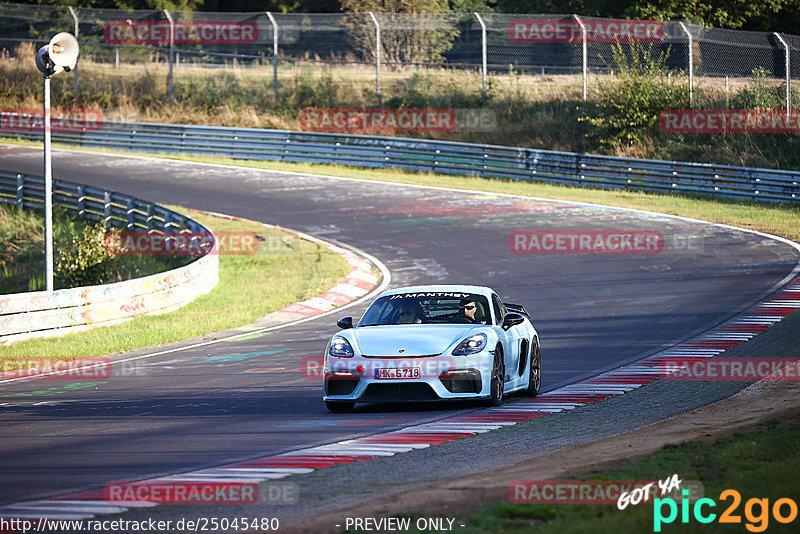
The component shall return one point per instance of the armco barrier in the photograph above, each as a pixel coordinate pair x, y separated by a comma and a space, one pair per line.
34, 314
582, 170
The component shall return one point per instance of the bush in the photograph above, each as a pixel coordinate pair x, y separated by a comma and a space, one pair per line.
628, 106
80, 259
760, 93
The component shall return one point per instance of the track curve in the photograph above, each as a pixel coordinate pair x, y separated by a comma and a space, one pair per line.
206, 406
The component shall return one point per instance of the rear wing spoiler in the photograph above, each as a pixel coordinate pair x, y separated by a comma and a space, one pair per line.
517, 308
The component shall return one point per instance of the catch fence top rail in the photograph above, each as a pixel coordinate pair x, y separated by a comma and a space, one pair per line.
446, 157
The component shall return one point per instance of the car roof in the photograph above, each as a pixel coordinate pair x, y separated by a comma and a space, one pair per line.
481, 290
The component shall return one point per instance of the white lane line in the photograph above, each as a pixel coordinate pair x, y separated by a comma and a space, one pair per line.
95, 507
20, 512
369, 442
213, 479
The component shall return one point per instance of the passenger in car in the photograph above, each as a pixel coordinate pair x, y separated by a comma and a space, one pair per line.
409, 313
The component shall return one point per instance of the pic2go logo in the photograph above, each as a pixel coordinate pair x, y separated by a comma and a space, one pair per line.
756, 511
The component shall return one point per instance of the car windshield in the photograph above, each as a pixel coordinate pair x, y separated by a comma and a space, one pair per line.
433, 307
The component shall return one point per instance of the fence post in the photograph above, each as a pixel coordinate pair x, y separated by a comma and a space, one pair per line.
585, 59
483, 52
377, 56
691, 62
75, 70
274, 53
788, 73
171, 47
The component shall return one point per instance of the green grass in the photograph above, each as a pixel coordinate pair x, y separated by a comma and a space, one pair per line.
759, 464
286, 270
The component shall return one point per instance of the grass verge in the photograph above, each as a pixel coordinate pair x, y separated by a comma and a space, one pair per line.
760, 464
286, 269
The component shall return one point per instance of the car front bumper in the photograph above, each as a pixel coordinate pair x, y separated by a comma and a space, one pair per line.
440, 378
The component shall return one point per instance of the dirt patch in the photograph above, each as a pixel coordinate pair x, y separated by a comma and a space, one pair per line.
760, 401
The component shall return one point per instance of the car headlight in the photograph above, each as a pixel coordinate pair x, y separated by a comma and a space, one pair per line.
340, 348
471, 345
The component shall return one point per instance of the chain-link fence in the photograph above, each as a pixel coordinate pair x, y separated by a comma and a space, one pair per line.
385, 47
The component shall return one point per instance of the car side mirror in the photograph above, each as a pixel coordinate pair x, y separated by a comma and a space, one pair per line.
512, 319
345, 322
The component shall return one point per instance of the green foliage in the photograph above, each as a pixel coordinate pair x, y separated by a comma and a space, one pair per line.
314, 91
628, 105
80, 257
719, 13
401, 44
765, 15
760, 93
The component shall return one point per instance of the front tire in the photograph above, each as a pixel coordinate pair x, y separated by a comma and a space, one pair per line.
535, 371
497, 381
340, 407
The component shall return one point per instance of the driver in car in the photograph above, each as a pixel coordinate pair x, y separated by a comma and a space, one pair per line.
468, 309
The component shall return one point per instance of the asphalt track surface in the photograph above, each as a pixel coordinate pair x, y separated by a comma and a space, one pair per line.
233, 400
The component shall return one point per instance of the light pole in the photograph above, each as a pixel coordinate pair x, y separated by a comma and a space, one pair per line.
59, 55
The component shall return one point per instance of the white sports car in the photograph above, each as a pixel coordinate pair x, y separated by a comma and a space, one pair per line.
437, 342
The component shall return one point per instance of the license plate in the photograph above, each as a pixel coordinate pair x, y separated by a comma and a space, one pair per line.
392, 373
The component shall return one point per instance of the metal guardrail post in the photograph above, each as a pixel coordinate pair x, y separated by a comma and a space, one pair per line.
788, 72
274, 53
483, 52
585, 56
107, 209
20, 191
75, 70
171, 48
691, 62
81, 202
377, 57
130, 218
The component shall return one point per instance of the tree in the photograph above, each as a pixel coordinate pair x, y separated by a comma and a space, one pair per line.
411, 35
719, 13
